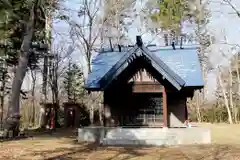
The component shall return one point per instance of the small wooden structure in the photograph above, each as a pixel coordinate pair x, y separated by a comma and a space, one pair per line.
71, 114
48, 107
146, 86
145, 91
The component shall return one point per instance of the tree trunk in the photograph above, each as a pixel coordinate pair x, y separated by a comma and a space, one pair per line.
57, 125
198, 107
100, 110
89, 64
53, 68
2, 98
92, 114
45, 79
100, 114
48, 27
20, 72
231, 93
225, 98
238, 85
33, 74
69, 82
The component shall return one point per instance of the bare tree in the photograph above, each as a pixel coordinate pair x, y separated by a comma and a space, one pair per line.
234, 87
233, 78
203, 37
230, 85
237, 66
233, 70
224, 93
234, 8
114, 14
85, 30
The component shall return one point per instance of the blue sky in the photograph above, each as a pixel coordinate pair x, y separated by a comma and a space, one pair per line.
223, 22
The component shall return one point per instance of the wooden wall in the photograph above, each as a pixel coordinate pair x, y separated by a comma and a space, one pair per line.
119, 99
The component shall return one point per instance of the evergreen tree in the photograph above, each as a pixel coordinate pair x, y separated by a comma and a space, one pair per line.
4, 89
14, 17
171, 13
22, 23
73, 83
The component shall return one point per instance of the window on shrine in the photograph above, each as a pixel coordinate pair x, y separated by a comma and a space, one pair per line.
150, 108
145, 110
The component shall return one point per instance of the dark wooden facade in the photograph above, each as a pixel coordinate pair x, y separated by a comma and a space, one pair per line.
140, 89
71, 114
139, 99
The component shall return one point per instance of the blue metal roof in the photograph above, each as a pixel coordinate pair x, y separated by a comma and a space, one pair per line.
184, 62
117, 68
164, 69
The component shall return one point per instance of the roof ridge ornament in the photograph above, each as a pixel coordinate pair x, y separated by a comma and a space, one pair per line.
181, 42
139, 41
173, 45
110, 43
119, 48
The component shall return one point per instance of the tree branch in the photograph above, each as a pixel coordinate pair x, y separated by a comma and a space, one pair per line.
233, 7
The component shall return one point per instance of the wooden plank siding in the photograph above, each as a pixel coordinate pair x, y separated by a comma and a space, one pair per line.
144, 82
147, 87
123, 103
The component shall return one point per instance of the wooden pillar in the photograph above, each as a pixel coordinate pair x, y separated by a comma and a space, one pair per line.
165, 116
104, 103
65, 116
77, 116
186, 109
186, 112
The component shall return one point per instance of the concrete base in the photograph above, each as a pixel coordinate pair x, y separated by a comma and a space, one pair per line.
91, 134
145, 136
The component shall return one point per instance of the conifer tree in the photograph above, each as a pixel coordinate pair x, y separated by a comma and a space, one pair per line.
73, 83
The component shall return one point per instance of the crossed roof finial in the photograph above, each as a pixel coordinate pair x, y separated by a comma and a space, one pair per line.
139, 41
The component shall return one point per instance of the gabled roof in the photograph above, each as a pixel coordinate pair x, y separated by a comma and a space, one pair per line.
166, 71
157, 63
117, 68
180, 67
184, 62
